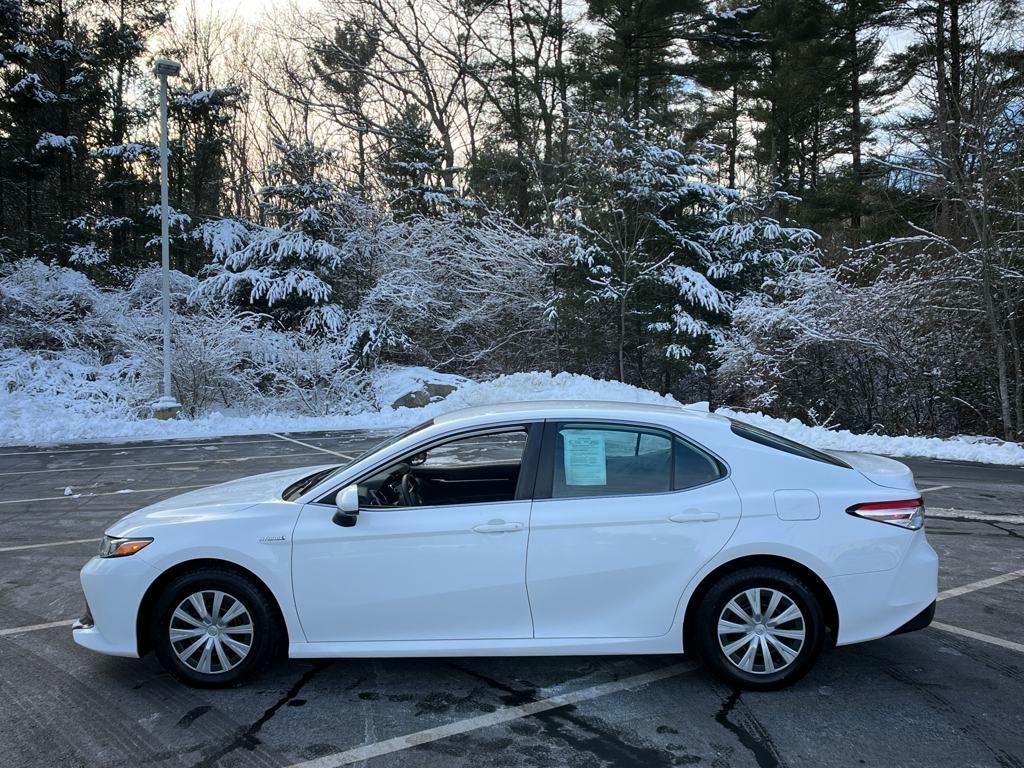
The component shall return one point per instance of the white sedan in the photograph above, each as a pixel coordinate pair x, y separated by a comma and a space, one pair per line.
526, 529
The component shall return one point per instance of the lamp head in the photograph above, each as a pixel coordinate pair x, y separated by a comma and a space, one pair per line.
166, 68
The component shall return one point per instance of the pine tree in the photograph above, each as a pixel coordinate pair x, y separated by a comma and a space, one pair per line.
654, 249
295, 267
724, 71
411, 166
119, 226
48, 102
342, 63
201, 119
798, 96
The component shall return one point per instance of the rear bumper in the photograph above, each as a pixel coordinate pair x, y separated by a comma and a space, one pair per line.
922, 620
113, 592
901, 599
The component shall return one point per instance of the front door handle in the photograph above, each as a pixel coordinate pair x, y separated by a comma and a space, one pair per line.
498, 526
695, 516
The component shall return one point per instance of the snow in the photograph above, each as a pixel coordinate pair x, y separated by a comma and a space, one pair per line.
49, 140
951, 449
129, 151
36, 419
32, 87
394, 381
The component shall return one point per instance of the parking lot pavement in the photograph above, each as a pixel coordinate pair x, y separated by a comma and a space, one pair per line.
938, 697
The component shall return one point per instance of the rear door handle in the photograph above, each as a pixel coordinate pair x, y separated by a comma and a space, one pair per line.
498, 526
695, 516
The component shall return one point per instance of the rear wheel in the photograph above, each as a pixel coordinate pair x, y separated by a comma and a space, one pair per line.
760, 628
214, 628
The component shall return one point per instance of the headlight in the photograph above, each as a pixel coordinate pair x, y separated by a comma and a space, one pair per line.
113, 547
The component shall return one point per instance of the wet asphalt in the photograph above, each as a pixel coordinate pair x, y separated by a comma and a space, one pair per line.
930, 698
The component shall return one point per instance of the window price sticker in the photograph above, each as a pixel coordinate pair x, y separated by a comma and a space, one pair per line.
584, 454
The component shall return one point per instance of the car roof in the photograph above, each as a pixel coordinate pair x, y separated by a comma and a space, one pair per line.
574, 409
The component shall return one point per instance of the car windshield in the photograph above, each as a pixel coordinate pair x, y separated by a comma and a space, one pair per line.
298, 488
381, 446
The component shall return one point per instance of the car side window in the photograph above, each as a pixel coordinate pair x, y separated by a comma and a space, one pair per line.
693, 466
475, 469
611, 460
608, 460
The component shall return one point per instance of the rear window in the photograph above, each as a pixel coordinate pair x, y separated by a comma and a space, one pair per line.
779, 443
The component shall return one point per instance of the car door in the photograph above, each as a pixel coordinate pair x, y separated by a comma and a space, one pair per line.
450, 570
624, 517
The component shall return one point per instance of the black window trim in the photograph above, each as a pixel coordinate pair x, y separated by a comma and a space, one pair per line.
546, 465
781, 444
527, 471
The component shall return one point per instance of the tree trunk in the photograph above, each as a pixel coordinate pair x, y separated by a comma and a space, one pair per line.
855, 119
563, 93
1018, 376
999, 340
622, 338
734, 135
942, 116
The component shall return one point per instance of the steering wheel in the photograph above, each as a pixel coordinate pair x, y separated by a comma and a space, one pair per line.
411, 495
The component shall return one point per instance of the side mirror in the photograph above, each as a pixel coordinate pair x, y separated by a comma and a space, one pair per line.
348, 507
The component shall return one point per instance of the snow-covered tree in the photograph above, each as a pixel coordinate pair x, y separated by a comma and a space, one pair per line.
411, 166
655, 249
292, 265
48, 102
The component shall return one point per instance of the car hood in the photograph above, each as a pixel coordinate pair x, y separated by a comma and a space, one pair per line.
888, 473
216, 500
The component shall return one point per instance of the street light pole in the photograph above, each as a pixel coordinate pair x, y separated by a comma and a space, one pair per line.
166, 407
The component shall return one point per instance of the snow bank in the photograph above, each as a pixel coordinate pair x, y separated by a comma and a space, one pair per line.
40, 420
954, 449
394, 381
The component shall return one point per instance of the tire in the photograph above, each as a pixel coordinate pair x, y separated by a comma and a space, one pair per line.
790, 655
223, 654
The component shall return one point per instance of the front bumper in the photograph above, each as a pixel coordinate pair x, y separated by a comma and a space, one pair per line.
113, 593
881, 603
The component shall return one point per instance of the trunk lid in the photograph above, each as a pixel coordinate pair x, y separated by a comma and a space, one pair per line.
880, 470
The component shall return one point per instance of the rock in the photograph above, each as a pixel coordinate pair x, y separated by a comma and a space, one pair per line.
438, 391
429, 393
416, 399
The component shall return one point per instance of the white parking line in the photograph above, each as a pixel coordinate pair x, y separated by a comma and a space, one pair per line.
502, 715
198, 460
141, 446
970, 633
129, 446
21, 547
934, 488
939, 513
74, 496
345, 456
34, 627
974, 586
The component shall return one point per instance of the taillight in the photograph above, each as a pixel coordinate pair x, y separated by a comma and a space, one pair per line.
906, 514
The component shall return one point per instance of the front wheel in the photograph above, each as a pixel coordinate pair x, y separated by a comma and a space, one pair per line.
214, 628
760, 628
